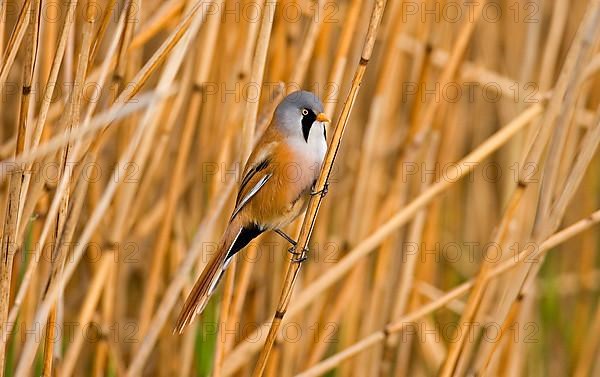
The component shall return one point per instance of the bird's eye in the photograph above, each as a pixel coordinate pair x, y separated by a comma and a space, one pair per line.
304, 112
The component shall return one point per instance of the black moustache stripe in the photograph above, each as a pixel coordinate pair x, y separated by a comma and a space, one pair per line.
307, 122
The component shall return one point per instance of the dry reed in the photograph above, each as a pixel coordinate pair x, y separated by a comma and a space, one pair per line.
459, 231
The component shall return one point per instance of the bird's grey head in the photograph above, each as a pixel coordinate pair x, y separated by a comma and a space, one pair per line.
299, 113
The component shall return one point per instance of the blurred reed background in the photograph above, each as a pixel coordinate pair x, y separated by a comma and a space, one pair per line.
469, 159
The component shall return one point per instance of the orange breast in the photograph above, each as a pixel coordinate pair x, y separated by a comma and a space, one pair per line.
286, 193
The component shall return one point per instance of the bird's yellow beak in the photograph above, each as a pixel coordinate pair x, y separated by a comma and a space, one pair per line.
323, 118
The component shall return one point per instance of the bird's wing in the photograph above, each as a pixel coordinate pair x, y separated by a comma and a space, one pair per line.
258, 171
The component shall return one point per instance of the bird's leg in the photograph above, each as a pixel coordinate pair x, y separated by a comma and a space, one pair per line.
285, 236
297, 256
322, 192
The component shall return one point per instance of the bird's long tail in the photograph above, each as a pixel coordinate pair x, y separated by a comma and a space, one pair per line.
235, 238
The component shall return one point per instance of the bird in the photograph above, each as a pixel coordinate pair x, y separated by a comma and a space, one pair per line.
277, 181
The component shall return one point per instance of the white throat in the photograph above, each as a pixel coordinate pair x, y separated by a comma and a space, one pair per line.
316, 143
314, 148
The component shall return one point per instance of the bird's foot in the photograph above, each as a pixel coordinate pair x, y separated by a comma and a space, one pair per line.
298, 257
322, 192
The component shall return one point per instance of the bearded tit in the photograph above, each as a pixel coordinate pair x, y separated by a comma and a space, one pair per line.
277, 182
